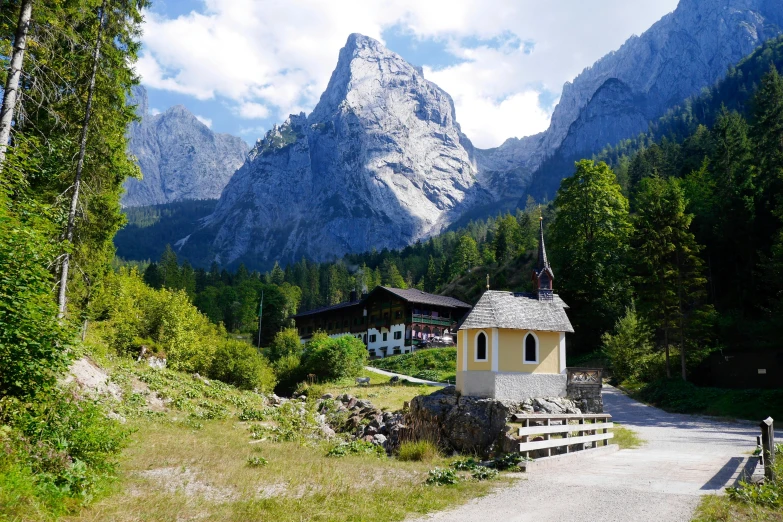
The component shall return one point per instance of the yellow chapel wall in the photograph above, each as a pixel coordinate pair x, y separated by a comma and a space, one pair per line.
510, 351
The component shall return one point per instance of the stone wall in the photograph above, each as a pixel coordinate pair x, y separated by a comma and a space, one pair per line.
584, 387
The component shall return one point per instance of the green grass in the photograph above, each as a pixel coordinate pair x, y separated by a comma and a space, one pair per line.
715, 508
380, 392
626, 438
418, 451
434, 364
677, 396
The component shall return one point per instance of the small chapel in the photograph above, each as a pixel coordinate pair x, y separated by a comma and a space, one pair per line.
512, 346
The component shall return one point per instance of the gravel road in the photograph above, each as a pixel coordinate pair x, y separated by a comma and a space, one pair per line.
684, 457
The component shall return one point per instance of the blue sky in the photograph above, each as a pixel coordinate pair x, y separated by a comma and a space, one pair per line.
243, 65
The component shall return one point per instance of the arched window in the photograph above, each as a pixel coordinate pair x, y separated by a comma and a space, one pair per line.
481, 347
530, 346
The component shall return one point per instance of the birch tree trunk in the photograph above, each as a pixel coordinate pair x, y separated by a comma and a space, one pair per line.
14, 74
66, 261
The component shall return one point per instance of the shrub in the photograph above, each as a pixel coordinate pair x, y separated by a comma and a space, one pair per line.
428, 375
442, 477
65, 442
628, 346
238, 363
466, 464
482, 473
420, 450
332, 359
285, 343
32, 343
356, 447
289, 372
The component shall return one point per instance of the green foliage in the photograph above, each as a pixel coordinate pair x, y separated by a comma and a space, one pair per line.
508, 462
438, 364
65, 442
483, 473
257, 462
238, 363
679, 396
32, 343
589, 243
419, 451
627, 347
285, 343
769, 494
465, 464
331, 359
356, 447
442, 477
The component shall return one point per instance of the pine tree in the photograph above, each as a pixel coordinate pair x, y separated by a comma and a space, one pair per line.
669, 275
466, 256
169, 269
589, 250
277, 276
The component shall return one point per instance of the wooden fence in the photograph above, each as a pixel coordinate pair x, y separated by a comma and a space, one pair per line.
563, 433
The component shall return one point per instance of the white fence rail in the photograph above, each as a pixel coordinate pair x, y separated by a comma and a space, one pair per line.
563, 433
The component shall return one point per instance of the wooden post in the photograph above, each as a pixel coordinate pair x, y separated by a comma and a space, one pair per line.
768, 447
548, 436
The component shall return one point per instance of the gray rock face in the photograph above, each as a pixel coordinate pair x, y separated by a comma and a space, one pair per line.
380, 162
466, 424
180, 157
614, 99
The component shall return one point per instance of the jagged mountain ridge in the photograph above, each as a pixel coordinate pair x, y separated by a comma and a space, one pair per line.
180, 157
380, 162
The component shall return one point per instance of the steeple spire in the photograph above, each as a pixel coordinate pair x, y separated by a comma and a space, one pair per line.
543, 262
543, 275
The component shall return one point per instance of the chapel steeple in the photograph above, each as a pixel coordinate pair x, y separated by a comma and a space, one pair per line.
543, 275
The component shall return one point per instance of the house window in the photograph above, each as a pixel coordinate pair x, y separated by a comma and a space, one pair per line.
530, 345
397, 314
481, 347
398, 335
372, 338
385, 336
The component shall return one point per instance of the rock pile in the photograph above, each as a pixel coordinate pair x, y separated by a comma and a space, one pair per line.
547, 405
362, 420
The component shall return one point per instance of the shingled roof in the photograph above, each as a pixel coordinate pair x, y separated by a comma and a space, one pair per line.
413, 295
518, 311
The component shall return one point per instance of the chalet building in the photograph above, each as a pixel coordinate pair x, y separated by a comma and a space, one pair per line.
389, 321
512, 346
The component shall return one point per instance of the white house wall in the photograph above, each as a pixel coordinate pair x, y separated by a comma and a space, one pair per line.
390, 342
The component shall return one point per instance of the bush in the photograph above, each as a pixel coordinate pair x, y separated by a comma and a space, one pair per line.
238, 363
628, 347
482, 473
466, 464
32, 343
436, 365
331, 359
442, 477
286, 343
65, 443
356, 447
420, 451
257, 462
289, 372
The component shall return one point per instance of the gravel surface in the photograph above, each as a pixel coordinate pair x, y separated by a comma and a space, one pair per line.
684, 457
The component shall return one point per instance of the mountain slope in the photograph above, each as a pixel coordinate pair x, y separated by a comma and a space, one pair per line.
180, 157
684, 52
379, 163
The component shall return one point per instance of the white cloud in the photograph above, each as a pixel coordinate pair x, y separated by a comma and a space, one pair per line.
252, 111
279, 55
154, 111
205, 121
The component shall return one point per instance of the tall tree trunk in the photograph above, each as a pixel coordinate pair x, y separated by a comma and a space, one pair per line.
61, 300
14, 74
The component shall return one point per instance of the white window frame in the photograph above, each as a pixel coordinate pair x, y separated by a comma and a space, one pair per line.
475, 347
524, 349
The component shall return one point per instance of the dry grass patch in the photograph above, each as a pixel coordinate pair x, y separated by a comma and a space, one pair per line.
383, 394
175, 473
626, 438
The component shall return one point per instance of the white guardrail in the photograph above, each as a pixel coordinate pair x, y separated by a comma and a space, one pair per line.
573, 432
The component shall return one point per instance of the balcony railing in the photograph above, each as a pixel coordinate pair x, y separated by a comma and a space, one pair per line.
428, 319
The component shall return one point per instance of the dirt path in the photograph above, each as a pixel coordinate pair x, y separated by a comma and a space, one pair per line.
407, 377
684, 457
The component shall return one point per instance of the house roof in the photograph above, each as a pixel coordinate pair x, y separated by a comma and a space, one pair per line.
518, 311
328, 308
413, 295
